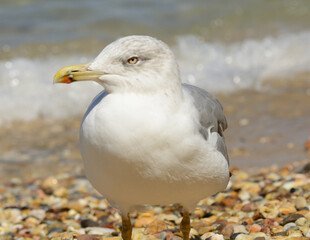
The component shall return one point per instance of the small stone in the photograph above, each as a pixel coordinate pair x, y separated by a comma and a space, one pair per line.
55, 230
32, 222
50, 183
273, 176
62, 236
212, 236
99, 231
61, 192
259, 235
279, 234
219, 197
169, 217
155, 226
137, 233
305, 168
234, 235
300, 202
277, 229
305, 231
265, 229
243, 237
268, 212
199, 224
287, 209
294, 233
240, 229
249, 207
271, 222
255, 228
88, 223
302, 221
207, 235
38, 213
113, 238
143, 222
288, 226
87, 237
216, 237
205, 229
75, 205
244, 195
228, 230
193, 233
162, 236
229, 201
291, 218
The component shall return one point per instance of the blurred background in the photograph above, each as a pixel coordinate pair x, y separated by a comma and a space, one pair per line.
253, 55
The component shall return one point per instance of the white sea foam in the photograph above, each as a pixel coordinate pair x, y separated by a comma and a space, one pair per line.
27, 91
226, 68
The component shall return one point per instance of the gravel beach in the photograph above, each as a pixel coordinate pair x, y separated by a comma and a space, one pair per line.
273, 203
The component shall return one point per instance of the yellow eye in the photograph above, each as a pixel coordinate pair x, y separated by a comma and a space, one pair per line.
132, 60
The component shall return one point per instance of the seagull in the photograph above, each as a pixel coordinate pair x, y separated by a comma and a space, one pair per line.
147, 138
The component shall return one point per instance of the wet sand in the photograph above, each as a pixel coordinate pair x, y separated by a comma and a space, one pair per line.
265, 128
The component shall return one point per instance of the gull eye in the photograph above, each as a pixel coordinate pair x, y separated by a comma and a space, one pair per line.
132, 60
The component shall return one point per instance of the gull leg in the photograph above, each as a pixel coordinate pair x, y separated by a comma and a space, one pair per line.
185, 225
126, 228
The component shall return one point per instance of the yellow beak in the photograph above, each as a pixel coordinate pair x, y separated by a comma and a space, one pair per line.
76, 73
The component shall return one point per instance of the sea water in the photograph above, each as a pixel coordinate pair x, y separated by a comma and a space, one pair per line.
221, 46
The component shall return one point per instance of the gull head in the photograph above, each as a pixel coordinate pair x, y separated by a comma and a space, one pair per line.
130, 64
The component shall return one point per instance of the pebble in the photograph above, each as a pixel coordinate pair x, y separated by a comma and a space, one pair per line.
99, 231
271, 204
50, 183
55, 230
249, 207
143, 222
229, 201
61, 192
87, 237
255, 228
228, 230
288, 226
268, 212
240, 229
156, 226
306, 232
38, 213
287, 209
242, 236
88, 223
212, 236
291, 218
300, 202
302, 221
259, 235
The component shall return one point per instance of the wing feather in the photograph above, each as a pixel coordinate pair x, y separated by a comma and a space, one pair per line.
211, 115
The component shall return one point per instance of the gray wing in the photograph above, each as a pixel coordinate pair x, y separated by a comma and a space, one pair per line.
212, 117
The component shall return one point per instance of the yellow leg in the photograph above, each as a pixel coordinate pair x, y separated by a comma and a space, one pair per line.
185, 225
127, 228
